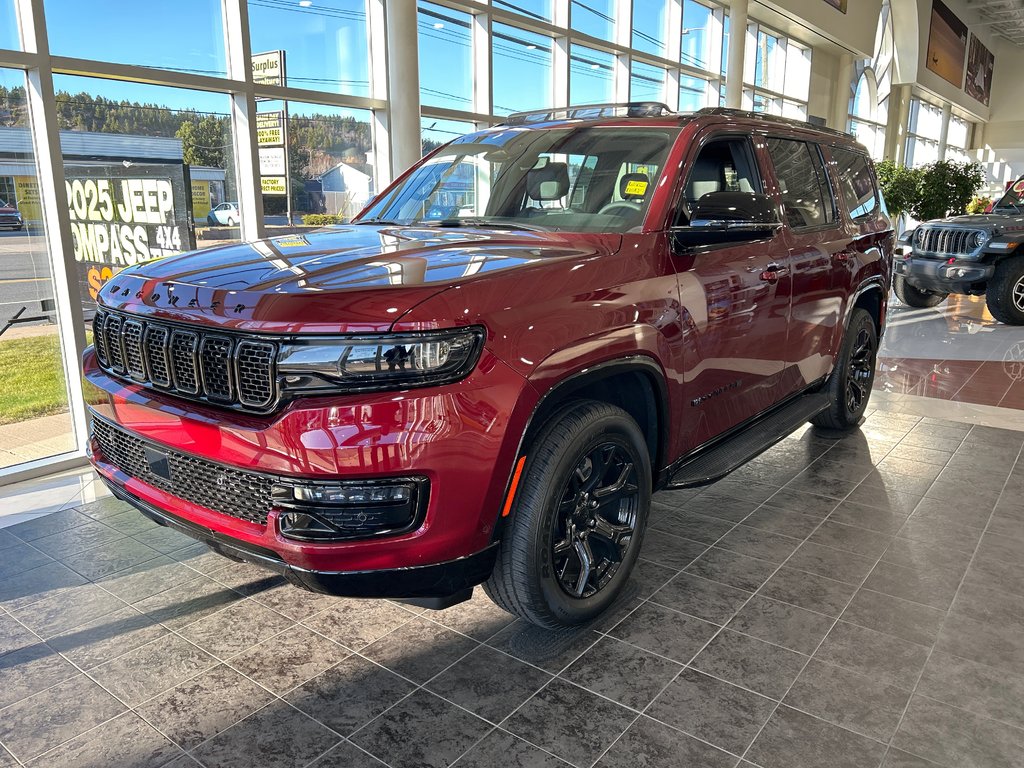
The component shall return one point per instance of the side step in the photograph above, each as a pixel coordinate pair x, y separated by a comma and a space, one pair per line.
719, 459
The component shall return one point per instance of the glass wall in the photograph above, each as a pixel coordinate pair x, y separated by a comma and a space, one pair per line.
591, 76
521, 63
34, 400
446, 57
593, 17
778, 73
923, 133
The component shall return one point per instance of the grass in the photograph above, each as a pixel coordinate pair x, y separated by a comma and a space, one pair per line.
32, 382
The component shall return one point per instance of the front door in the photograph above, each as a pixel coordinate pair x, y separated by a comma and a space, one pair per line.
736, 302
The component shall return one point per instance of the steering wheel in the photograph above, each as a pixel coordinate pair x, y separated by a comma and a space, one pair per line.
619, 208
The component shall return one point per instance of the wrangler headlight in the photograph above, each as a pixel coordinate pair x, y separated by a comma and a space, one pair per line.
385, 361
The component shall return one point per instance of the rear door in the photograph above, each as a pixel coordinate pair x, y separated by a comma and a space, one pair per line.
817, 256
735, 300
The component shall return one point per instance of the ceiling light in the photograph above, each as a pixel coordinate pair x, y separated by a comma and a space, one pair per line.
305, 3
439, 25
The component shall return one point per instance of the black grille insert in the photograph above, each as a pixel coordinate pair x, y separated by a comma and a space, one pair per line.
222, 368
245, 495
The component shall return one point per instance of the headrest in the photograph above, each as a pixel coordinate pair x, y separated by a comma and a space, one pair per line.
548, 183
633, 186
706, 177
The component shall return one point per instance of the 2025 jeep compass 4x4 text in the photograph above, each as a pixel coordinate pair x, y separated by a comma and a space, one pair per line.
484, 378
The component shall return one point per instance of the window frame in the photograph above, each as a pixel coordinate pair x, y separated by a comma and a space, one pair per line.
816, 150
680, 214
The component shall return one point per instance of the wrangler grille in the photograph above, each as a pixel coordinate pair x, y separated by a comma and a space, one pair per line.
946, 241
221, 368
245, 495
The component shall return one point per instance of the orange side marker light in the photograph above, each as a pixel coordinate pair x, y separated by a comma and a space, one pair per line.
512, 488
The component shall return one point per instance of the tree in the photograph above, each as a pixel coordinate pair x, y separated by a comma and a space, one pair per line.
946, 188
901, 187
204, 140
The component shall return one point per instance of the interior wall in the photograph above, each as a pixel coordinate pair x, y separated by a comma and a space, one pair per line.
853, 30
825, 85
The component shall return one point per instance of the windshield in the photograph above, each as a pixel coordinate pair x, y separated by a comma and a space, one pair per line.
596, 179
1014, 197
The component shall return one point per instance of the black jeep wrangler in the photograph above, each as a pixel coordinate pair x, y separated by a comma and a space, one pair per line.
973, 255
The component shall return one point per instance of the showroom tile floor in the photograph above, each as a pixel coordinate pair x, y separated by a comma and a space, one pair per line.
838, 602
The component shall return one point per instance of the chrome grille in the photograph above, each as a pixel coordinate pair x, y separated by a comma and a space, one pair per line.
946, 241
222, 368
245, 495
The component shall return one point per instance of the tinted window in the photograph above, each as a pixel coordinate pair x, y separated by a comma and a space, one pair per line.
806, 196
856, 182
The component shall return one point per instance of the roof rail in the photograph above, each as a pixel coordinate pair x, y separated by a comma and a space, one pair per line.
589, 112
765, 117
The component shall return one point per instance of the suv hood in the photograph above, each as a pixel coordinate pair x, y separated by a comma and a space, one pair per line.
351, 279
995, 223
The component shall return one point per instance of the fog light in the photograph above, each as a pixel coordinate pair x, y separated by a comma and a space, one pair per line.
345, 510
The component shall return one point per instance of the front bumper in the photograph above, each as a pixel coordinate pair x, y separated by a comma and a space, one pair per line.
931, 274
438, 580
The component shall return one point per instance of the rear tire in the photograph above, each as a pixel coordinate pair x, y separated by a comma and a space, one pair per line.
583, 498
1005, 293
915, 297
849, 386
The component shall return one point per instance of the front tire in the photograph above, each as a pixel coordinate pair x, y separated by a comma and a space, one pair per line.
915, 297
849, 386
1005, 293
578, 518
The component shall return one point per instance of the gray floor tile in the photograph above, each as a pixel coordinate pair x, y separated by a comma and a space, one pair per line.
570, 722
165, 540
929, 586
926, 557
237, 628
107, 637
489, 684
422, 731
848, 699
998, 646
204, 706
78, 539
876, 493
664, 631
859, 541
357, 623
419, 650
654, 745
128, 522
347, 755
479, 618
146, 579
19, 557
56, 613
955, 738
670, 550
296, 604
941, 511
349, 694
751, 663
732, 568
833, 487
716, 504
712, 710
29, 670
1001, 548
793, 739
694, 527
24, 588
41, 722
187, 602
106, 507
988, 572
886, 658
984, 690
815, 593
127, 740
307, 653
910, 621
782, 624
885, 521
501, 748
736, 488
830, 563
197, 556
647, 578
812, 504
109, 558
151, 669
897, 758
551, 650
622, 672
758, 543
783, 522
13, 635
702, 598
48, 525
279, 734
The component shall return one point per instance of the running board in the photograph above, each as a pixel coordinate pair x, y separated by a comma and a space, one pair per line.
716, 461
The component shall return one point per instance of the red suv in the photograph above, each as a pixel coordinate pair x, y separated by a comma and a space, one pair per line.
485, 376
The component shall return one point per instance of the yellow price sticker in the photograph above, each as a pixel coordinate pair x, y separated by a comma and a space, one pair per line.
636, 188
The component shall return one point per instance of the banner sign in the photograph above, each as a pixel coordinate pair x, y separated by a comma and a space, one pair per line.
270, 128
122, 216
272, 162
268, 68
274, 185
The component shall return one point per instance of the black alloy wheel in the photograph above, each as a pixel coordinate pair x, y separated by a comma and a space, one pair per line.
596, 520
849, 386
860, 371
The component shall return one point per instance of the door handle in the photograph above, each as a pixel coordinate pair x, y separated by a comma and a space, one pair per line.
772, 273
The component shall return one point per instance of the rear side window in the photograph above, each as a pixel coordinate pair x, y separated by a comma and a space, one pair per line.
856, 182
723, 165
806, 194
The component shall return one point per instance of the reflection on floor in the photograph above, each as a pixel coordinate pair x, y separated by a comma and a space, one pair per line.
955, 351
838, 602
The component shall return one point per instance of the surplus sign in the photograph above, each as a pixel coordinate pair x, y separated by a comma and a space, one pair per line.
122, 216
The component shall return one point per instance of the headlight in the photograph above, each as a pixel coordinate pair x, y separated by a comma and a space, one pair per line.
980, 238
386, 361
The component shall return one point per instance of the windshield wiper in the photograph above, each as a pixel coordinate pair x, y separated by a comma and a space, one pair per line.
482, 223
1014, 206
384, 222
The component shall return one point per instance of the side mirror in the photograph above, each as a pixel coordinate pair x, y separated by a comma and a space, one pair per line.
729, 217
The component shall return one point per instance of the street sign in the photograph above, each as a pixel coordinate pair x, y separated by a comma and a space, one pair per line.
270, 128
268, 68
274, 185
272, 161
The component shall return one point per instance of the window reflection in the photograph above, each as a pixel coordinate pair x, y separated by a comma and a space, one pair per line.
649, 24
521, 62
534, 9
446, 57
646, 83
591, 76
8, 26
434, 132
593, 17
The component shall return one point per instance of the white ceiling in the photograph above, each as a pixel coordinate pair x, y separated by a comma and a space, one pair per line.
1004, 17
